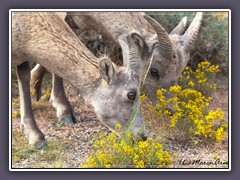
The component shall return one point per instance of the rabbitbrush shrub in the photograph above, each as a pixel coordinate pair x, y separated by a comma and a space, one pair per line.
201, 79
111, 151
185, 115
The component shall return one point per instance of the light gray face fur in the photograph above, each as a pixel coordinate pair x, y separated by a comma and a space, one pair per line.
116, 101
165, 72
113, 105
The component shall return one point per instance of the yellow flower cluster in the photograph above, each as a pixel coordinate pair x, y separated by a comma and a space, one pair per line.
220, 133
189, 110
206, 127
16, 106
222, 15
143, 97
33, 92
47, 95
201, 79
16, 114
16, 103
125, 152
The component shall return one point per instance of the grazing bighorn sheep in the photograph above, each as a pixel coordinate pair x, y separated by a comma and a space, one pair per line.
113, 91
168, 69
120, 28
173, 49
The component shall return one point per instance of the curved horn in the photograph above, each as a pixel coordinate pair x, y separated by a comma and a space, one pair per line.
179, 29
165, 45
130, 53
190, 35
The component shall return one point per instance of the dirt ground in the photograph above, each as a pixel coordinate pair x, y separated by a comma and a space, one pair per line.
77, 138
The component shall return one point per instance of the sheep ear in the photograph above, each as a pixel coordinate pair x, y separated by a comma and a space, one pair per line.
140, 43
179, 29
106, 70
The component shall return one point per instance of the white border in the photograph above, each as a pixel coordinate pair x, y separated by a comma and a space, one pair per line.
118, 10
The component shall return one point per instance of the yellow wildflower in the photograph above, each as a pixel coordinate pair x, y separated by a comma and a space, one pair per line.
143, 97
140, 164
220, 134
118, 127
175, 89
191, 83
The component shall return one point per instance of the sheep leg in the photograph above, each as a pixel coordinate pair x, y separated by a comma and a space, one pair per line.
28, 122
60, 102
37, 75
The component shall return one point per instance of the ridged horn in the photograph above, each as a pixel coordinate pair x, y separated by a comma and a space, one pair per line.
179, 29
165, 45
130, 53
190, 35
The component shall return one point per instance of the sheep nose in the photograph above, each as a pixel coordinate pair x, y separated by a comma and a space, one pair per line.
144, 137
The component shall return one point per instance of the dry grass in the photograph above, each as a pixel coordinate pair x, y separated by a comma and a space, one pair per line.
51, 157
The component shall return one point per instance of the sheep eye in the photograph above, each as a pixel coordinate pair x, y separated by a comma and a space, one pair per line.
154, 72
131, 95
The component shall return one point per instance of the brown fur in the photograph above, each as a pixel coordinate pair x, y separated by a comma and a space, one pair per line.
46, 39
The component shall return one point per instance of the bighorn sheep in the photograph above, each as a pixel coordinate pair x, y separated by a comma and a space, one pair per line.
120, 28
173, 50
167, 70
168, 62
113, 91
